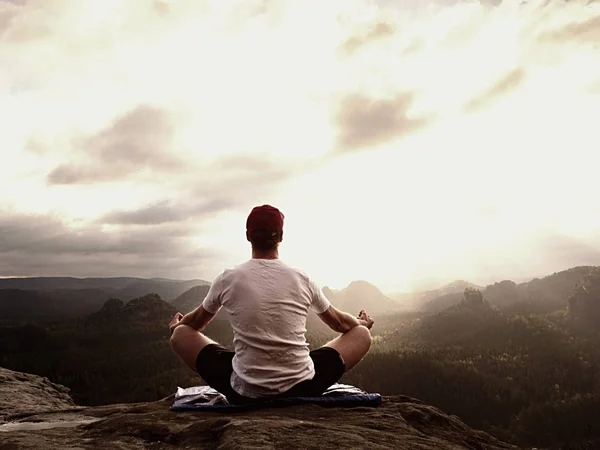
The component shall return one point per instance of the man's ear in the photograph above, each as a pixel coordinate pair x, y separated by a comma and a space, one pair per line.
281, 236
247, 236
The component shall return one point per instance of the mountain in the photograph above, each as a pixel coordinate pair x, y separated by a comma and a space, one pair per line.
361, 295
122, 287
142, 309
529, 380
537, 296
463, 322
46, 299
167, 289
39, 300
449, 292
103, 356
139, 311
190, 299
552, 292
21, 306
442, 302
106, 284
32, 402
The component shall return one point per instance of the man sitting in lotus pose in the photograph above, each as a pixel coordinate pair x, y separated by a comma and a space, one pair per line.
268, 302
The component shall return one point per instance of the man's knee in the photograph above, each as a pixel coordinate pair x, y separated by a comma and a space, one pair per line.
363, 334
179, 334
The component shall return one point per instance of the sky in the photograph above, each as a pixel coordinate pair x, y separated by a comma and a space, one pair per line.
407, 143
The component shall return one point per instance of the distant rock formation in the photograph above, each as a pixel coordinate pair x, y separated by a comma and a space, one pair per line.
361, 295
437, 299
113, 305
462, 322
43, 300
472, 296
142, 309
38, 414
538, 296
504, 292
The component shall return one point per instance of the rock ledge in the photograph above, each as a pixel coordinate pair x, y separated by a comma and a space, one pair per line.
400, 423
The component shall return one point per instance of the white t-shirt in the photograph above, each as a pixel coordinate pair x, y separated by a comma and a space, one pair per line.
268, 302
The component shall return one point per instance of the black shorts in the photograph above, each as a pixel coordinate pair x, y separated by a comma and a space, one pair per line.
213, 364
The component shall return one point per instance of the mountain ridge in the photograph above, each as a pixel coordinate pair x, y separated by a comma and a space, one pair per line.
48, 283
361, 294
538, 295
46, 299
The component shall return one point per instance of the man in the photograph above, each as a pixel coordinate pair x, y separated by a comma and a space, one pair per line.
268, 302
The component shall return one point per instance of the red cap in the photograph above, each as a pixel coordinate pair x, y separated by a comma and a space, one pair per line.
265, 217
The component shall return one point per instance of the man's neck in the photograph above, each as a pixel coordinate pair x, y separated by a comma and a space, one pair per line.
271, 254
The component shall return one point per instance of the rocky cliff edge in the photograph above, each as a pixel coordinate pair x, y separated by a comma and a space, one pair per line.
35, 413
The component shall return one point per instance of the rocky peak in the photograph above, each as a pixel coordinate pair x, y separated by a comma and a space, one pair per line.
472, 297
400, 423
363, 287
361, 295
112, 305
147, 308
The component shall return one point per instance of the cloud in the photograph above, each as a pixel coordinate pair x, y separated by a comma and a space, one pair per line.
45, 234
161, 8
136, 141
43, 244
509, 82
413, 47
240, 180
7, 14
365, 122
20, 24
156, 213
374, 32
167, 212
585, 31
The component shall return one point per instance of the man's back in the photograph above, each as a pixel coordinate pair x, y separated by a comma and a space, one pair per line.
268, 303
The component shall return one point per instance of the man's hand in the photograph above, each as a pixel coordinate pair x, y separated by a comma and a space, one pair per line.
365, 319
175, 321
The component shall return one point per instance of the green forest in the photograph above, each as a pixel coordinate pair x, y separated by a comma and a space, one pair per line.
521, 370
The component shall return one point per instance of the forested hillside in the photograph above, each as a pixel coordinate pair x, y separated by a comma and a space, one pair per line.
49, 299
527, 378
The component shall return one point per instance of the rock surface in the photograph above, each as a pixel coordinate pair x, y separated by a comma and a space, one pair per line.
39, 414
22, 392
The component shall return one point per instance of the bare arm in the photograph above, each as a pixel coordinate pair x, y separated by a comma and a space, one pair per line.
198, 319
339, 321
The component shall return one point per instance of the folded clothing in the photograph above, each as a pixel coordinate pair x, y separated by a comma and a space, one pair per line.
205, 398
